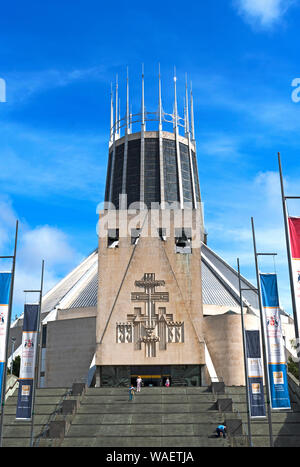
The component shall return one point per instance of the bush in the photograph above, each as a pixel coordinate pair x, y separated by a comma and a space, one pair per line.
293, 367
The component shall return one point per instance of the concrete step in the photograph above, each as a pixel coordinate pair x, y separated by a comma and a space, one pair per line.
136, 419
279, 441
132, 407
39, 400
202, 430
150, 391
141, 441
143, 399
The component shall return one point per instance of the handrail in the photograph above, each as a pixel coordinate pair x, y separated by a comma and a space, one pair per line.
57, 411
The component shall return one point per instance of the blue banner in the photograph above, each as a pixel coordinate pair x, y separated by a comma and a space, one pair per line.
279, 393
255, 375
5, 283
28, 359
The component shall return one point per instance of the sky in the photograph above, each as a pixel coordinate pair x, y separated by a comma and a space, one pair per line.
58, 60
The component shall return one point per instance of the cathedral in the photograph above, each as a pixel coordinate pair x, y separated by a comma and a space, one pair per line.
153, 299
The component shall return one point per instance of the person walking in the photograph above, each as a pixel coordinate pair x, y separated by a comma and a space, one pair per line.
167, 384
138, 384
131, 392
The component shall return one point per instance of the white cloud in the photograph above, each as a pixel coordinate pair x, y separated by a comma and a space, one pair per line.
22, 86
34, 244
264, 13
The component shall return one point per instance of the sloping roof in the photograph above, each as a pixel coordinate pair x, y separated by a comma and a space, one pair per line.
219, 284
79, 288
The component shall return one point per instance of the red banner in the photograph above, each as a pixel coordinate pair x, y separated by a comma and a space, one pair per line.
294, 228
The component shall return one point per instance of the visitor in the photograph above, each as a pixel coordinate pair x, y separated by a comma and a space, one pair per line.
221, 429
138, 384
167, 383
131, 392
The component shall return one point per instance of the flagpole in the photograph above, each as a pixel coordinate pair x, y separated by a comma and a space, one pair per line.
245, 356
37, 355
289, 256
8, 330
263, 334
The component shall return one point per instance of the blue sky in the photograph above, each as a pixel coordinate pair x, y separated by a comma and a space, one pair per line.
58, 60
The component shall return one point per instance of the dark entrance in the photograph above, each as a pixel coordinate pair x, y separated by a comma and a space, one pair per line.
151, 375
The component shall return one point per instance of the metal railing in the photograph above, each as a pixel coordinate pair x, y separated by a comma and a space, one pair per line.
57, 411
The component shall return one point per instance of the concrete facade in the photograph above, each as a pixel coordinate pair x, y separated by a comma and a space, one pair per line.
223, 337
178, 310
69, 352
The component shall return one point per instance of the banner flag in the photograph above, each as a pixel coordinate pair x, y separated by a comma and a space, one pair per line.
294, 231
277, 366
255, 375
28, 358
5, 283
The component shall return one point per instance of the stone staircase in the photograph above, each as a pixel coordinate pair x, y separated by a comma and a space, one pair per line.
180, 417
285, 424
17, 433
157, 417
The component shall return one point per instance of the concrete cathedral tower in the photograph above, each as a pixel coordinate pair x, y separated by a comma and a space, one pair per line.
149, 314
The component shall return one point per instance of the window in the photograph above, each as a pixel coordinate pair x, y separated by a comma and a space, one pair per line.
113, 238
183, 241
135, 235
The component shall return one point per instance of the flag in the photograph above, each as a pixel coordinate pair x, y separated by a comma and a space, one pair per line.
294, 231
276, 359
5, 283
255, 375
28, 359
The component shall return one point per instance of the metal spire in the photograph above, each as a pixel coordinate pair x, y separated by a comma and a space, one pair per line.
116, 117
130, 120
187, 122
159, 99
143, 99
111, 112
119, 126
175, 101
192, 115
127, 103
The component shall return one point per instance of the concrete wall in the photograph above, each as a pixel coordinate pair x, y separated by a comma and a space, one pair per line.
182, 275
70, 349
223, 336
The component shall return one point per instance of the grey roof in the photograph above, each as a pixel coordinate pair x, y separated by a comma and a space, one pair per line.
55, 295
230, 275
219, 284
88, 296
213, 291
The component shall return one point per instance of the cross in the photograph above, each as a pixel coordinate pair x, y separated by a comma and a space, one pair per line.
150, 296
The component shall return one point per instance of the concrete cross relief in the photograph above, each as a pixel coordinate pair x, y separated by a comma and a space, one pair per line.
150, 325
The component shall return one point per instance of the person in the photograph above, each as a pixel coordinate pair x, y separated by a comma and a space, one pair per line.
221, 429
131, 392
167, 382
138, 384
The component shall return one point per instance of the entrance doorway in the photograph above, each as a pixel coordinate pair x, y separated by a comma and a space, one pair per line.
152, 376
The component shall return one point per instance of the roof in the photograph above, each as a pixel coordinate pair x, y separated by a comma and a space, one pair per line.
219, 284
79, 288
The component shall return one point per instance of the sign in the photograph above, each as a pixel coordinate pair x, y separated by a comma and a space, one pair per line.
255, 375
5, 283
277, 367
28, 359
